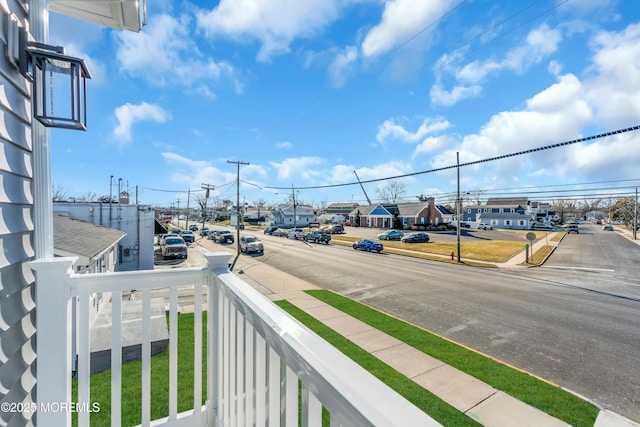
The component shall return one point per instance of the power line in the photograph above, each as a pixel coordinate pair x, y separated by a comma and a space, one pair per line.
490, 159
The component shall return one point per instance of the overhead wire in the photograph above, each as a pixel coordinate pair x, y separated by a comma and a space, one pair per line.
475, 162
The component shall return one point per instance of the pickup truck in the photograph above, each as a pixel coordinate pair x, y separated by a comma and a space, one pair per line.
295, 233
317, 237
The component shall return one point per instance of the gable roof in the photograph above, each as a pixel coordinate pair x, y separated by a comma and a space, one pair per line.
73, 236
411, 209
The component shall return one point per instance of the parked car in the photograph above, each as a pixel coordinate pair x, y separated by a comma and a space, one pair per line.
188, 236
368, 245
279, 232
270, 230
224, 236
250, 244
193, 227
174, 246
204, 232
541, 226
391, 235
317, 237
211, 235
333, 229
485, 226
163, 237
417, 237
295, 233
465, 225
607, 227
573, 229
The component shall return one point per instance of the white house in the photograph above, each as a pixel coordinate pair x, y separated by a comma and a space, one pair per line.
286, 215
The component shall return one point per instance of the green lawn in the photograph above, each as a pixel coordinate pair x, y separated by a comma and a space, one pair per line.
527, 388
132, 381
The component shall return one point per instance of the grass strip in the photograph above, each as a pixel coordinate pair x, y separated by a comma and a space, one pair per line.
423, 399
538, 393
131, 397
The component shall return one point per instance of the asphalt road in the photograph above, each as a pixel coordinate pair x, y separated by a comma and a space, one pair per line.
575, 323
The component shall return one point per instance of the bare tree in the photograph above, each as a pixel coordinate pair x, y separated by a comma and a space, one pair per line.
392, 191
89, 196
59, 193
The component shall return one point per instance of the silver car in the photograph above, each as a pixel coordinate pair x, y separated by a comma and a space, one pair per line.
174, 247
250, 244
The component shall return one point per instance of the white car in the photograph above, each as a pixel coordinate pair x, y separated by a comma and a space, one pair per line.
295, 233
485, 226
251, 244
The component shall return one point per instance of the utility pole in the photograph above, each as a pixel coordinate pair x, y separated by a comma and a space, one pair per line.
293, 198
635, 216
458, 205
207, 188
186, 221
238, 163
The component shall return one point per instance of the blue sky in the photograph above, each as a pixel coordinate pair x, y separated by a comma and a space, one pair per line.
309, 91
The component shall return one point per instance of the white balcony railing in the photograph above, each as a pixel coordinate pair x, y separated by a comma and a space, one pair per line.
257, 355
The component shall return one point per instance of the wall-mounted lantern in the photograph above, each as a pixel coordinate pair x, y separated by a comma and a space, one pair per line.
59, 84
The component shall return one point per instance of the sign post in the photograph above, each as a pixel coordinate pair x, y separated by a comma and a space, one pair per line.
531, 236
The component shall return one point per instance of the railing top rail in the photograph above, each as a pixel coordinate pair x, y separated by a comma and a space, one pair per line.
139, 280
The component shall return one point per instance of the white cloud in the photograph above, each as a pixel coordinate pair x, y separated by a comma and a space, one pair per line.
192, 173
441, 96
390, 130
285, 145
274, 24
614, 87
164, 53
302, 167
342, 66
401, 20
431, 144
540, 43
128, 115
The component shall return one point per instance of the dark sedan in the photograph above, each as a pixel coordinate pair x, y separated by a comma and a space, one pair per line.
415, 238
368, 245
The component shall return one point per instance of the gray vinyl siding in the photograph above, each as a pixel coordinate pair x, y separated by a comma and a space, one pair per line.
17, 289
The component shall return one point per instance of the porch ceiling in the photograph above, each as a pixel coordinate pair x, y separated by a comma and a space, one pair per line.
122, 15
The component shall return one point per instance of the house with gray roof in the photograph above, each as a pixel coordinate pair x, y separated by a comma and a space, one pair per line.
286, 215
95, 246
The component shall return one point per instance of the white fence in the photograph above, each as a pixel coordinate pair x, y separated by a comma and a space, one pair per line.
260, 360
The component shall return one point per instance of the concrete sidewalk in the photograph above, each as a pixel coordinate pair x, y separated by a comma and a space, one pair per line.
476, 399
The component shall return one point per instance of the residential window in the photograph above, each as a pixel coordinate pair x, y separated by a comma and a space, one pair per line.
469, 210
521, 222
512, 210
507, 222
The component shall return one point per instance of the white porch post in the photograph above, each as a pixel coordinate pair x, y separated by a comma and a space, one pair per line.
217, 263
53, 329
